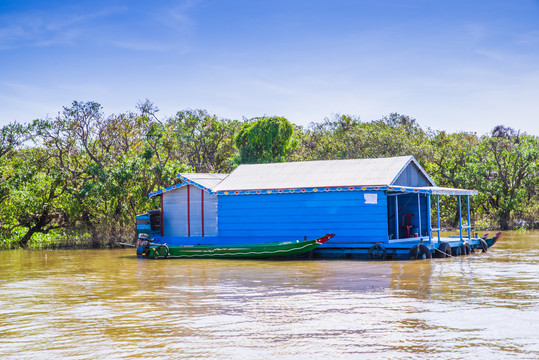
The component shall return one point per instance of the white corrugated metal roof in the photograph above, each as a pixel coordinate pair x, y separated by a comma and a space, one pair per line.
204, 179
302, 174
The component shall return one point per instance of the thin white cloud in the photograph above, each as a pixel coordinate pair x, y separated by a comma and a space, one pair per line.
176, 16
46, 28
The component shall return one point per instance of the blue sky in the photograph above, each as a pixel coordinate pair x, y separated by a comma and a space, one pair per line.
452, 65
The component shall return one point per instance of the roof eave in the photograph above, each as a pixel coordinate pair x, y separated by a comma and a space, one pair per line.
186, 181
431, 190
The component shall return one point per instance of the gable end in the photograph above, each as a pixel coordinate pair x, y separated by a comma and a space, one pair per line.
413, 175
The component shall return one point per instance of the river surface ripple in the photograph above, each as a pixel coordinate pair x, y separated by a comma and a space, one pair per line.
107, 304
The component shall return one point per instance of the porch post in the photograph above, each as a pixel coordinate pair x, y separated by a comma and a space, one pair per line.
438, 215
468, 211
397, 215
429, 220
419, 213
460, 219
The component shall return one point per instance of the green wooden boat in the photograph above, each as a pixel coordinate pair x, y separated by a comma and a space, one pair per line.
490, 241
245, 251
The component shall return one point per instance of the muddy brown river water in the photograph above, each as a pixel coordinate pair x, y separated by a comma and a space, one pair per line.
107, 304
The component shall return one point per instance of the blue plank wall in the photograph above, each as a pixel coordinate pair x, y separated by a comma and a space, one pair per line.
274, 217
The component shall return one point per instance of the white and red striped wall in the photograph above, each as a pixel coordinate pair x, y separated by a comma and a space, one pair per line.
189, 211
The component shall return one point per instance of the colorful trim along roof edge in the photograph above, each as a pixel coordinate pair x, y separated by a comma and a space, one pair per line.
403, 189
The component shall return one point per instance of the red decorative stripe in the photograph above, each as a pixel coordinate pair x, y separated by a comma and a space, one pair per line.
188, 212
202, 208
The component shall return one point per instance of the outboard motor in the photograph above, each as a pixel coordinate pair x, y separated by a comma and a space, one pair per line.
143, 241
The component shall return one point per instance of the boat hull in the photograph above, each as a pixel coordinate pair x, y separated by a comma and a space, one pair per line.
245, 251
493, 240
408, 249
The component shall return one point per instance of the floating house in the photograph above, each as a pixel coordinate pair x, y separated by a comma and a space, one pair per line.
377, 208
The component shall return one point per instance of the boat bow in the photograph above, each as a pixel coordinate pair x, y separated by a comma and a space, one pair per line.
324, 238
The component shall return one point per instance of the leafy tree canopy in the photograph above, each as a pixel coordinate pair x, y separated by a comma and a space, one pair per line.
265, 140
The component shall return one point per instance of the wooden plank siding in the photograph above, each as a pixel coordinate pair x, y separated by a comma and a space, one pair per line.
294, 216
195, 213
174, 212
210, 214
412, 176
182, 210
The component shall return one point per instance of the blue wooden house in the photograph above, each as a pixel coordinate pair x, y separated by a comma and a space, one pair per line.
374, 206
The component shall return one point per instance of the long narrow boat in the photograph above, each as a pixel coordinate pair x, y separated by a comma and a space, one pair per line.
148, 249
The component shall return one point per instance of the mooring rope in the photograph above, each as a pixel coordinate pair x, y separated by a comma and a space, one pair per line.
446, 254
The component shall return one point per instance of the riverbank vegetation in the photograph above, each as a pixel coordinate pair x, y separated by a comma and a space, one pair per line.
79, 179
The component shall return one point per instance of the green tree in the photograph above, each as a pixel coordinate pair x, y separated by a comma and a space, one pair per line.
346, 137
97, 156
507, 171
37, 195
203, 140
451, 166
11, 136
265, 140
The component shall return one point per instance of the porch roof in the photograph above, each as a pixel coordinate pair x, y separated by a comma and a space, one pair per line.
432, 190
